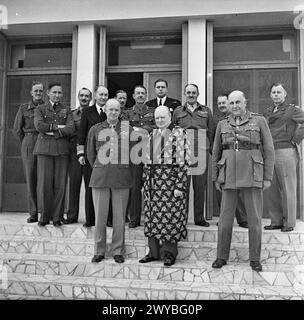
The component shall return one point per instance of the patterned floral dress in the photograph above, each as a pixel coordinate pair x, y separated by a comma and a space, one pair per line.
165, 214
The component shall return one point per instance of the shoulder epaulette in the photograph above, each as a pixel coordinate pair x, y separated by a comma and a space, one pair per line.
257, 114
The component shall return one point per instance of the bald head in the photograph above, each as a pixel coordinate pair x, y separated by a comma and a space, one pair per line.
237, 103
112, 110
162, 117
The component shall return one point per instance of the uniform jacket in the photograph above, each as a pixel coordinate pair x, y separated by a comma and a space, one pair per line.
245, 167
104, 152
172, 104
47, 119
24, 121
141, 116
73, 138
201, 118
89, 117
286, 125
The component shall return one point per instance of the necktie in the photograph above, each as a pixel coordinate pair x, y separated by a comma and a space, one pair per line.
238, 120
160, 102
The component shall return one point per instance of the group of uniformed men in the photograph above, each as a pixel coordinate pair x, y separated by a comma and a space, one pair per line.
250, 153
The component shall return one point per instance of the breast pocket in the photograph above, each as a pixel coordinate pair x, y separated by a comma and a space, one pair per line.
202, 120
181, 120
227, 137
253, 135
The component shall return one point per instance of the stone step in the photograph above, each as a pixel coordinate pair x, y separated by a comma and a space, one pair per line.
76, 287
270, 253
195, 233
193, 271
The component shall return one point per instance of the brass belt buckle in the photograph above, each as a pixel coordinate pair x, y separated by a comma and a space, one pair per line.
236, 145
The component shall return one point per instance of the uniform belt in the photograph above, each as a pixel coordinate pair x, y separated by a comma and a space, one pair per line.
241, 146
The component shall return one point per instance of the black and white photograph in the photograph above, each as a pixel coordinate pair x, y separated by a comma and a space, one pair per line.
151, 154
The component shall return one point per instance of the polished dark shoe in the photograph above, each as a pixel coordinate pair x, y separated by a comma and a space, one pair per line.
127, 219
57, 223
273, 227
133, 224
97, 258
43, 224
68, 221
87, 225
169, 261
146, 259
287, 229
109, 224
31, 220
218, 263
119, 258
244, 224
256, 265
203, 223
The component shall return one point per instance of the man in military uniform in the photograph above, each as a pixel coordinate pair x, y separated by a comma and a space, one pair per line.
242, 162
140, 117
197, 118
110, 179
161, 90
25, 130
76, 170
89, 117
286, 125
121, 97
240, 213
55, 124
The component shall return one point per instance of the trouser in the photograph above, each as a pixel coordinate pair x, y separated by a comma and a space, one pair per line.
30, 170
110, 215
101, 197
135, 196
76, 172
168, 248
281, 197
253, 200
240, 212
52, 176
199, 186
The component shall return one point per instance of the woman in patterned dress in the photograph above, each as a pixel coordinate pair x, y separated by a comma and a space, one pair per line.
165, 188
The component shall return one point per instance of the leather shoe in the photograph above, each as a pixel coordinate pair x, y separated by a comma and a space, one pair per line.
97, 258
43, 224
243, 224
256, 265
218, 263
31, 220
68, 221
57, 223
272, 227
169, 261
146, 259
287, 229
88, 225
109, 224
203, 223
119, 258
127, 219
133, 224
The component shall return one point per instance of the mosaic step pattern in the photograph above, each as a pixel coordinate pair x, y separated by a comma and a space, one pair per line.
195, 271
188, 251
73, 287
49, 262
195, 233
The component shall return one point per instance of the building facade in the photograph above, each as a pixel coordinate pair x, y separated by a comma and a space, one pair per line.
220, 45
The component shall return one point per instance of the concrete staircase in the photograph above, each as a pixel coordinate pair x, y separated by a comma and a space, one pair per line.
48, 262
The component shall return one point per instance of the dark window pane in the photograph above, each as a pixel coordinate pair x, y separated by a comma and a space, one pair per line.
41, 55
138, 52
254, 48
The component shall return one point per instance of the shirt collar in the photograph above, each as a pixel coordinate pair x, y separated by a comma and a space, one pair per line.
163, 99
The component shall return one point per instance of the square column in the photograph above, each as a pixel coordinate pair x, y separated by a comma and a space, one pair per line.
85, 68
